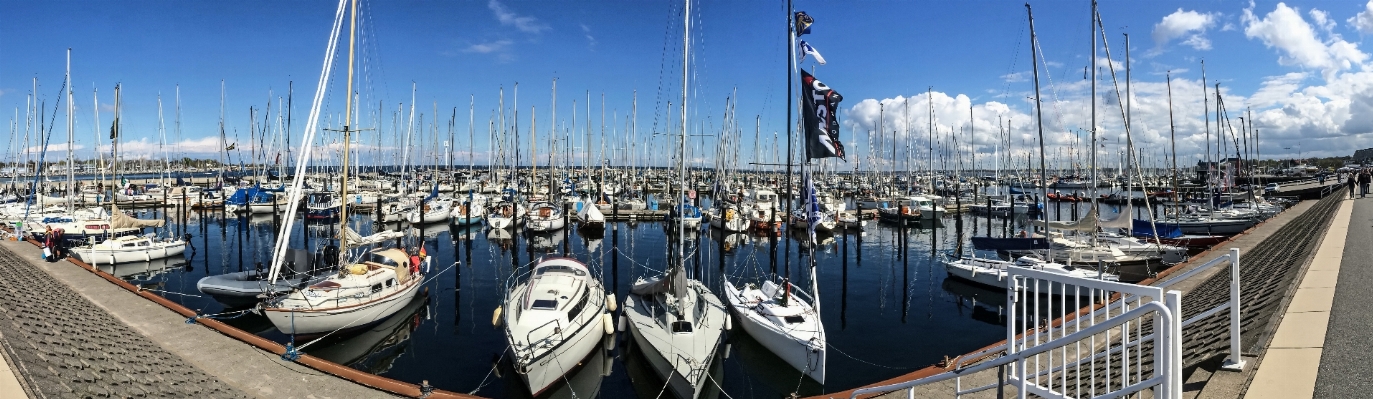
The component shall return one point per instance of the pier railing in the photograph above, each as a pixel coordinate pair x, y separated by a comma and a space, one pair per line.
1235, 362
1122, 339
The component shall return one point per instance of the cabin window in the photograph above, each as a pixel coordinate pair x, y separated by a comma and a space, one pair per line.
376, 288
390, 282
681, 327
576, 309
794, 319
546, 304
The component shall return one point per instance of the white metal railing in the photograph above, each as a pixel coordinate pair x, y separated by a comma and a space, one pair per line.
1236, 360
1076, 356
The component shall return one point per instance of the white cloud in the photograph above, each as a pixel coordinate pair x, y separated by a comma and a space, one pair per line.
507, 17
1190, 25
488, 47
1363, 21
591, 40
1285, 30
1294, 114
1016, 77
1322, 19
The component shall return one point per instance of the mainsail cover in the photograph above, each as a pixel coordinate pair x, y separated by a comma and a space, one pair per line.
119, 220
1087, 224
818, 106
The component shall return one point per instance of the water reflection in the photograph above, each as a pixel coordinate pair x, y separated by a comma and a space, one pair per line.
375, 349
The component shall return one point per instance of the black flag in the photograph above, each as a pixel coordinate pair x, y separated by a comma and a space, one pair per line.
819, 104
114, 129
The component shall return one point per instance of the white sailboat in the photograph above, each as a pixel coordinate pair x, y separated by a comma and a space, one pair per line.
676, 321
360, 293
126, 248
545, 216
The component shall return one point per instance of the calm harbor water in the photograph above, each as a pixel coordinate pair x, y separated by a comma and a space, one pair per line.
885, 315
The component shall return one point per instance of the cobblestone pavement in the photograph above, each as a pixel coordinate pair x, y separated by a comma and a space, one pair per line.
63, 346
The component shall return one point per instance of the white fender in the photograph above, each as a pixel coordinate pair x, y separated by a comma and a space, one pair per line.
607, 323
624, 322
610, 302
496, 317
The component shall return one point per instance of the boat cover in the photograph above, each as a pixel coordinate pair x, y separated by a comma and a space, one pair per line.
119, 220
1010, 244
1145, 228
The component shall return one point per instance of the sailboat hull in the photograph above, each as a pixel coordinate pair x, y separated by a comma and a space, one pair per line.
800, 346
324, 320
693, 352
127, 255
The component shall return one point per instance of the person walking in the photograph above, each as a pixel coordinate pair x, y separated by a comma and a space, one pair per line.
1364, 179
1351, 182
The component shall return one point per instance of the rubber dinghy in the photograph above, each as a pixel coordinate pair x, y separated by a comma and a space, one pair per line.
250, 286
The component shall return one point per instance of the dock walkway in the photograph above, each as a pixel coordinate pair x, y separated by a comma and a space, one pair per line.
69, 333
1275, 255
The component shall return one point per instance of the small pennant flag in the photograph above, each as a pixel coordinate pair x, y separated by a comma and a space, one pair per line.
806, 49
803, 23
231, 147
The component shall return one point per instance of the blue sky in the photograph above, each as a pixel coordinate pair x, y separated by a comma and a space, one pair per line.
1301, 66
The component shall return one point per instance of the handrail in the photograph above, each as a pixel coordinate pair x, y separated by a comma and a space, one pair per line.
1167, 324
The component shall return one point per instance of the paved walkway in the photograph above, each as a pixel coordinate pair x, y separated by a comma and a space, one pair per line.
63, 345
1288, 367
105, 331
1344, 363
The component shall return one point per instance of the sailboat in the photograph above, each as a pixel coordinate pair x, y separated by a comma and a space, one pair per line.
779, 315
675, 320
361, 293
127, 248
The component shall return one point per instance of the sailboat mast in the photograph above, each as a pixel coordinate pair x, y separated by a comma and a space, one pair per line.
681, 159
1172, 136
1039, 118
71, 132
347, 130
1094, 127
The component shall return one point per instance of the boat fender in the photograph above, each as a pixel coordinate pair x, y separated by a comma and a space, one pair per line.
607, 323
609, 343
728, 348
624, 322
610, 302
974, 271
496, 317
729, 323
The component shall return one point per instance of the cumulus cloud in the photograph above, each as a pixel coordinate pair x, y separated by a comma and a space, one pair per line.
1190, 26
1363, 21
1297, 41
1294, 115
507, 17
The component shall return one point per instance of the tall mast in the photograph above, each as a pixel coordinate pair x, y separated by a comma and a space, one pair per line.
1172, 135
71, 132
347, 130
681, 158
1039, 118
1206, 114
1094, 127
